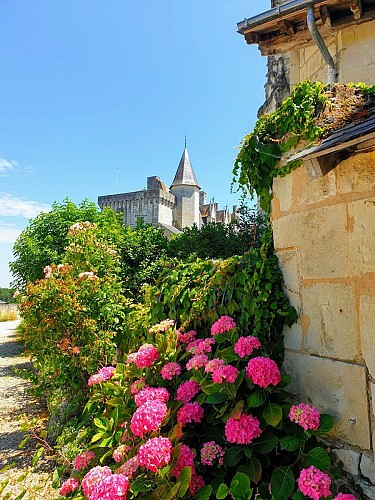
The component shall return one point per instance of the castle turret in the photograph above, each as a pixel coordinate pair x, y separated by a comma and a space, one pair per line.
185, 187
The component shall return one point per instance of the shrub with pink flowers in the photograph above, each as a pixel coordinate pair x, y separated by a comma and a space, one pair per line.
213, 423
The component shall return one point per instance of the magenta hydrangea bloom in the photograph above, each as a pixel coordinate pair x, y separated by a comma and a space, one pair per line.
245, 346
137, 385
263, 372
151, 394
226, 373
242, 430
69, 486
196, 484
200, 346
129, 468
212, 452
190, 412
170, 370
187, 391
306, 416
185, 338
83, 459
155, 453
99, 483
103, 375
186, 459
213, 364
148, 417
197, 362
119, 452
345, 496
314, 483
223, 325
146, 356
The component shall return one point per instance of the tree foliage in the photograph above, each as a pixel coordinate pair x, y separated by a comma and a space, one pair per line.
6, 294
44, 240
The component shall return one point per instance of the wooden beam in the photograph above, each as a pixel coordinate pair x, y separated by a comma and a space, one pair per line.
286, 27
356, 8
252, 38
325, 16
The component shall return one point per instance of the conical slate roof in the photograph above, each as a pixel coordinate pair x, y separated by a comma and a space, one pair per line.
185, 174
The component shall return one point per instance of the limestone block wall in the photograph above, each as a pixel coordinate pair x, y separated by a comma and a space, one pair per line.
324, 233
353, 50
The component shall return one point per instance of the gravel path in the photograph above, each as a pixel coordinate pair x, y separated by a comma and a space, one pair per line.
16, 472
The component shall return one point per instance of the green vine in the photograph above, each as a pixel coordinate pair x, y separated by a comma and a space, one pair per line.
274, 134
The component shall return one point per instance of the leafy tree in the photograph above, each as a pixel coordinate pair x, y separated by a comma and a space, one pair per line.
44, 241
143, 254
6, 294
218, 241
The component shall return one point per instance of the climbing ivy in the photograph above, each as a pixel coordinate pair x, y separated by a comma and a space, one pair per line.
301, 120
274, 134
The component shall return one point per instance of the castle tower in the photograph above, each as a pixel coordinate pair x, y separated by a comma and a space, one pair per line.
185, 187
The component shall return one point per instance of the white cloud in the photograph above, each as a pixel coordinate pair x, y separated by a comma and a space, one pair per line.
8, 233
6, 166
12, 206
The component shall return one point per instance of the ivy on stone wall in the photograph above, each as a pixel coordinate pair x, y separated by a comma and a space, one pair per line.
302, 119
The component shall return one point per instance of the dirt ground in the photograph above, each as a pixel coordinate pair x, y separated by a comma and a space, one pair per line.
18, 478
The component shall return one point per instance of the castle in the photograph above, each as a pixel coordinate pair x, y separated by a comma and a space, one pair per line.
182, 205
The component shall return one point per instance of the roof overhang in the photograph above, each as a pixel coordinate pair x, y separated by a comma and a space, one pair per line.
351, 139
284, 27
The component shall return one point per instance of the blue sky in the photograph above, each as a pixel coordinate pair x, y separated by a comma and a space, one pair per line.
98, 94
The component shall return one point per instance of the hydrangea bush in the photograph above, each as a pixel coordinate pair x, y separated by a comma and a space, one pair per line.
200, 415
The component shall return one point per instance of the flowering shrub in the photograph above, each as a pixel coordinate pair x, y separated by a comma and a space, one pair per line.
171, 428
71, 317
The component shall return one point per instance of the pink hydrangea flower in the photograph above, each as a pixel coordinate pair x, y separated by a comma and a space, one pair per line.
245, 346
83, 459
151, 394
190, 412
197, 362
170, 370
263, 372
148, 417
305, 415
161, 327
131, 358
129, 468
226, 373
69, 486
213, 364
222, 325
242, 430
186, 459
99, 484
103, 375
200, 346
345, 496
196, 484
211, 452
146, 356
185, 338
187, 391
119, 453
155, 453
137, 386
314, 483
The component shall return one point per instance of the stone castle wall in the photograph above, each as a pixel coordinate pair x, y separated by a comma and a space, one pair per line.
154, 206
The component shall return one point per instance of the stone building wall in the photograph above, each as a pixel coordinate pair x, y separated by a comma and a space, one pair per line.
353, 50
324, 234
